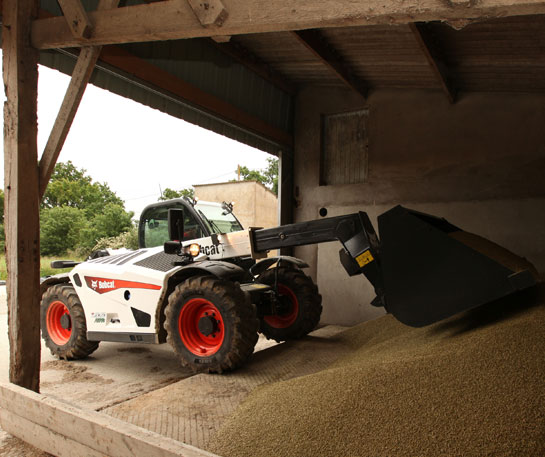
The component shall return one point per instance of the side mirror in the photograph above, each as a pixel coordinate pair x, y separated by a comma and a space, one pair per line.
176, 224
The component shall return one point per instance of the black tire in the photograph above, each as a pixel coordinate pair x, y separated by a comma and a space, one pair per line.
229, 321
61, 306
303, 300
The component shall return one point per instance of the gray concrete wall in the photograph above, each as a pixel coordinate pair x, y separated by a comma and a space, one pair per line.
479, 163
254, 204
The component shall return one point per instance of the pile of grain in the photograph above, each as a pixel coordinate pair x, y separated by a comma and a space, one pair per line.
470, 386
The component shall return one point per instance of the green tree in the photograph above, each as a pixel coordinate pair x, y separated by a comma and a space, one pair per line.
112, 221
76, 212
267, 176
169, 194
60, 229
70, 186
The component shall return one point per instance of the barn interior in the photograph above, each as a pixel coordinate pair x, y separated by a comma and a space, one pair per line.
435, 105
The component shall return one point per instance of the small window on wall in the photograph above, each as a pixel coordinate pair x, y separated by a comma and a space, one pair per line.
344, 148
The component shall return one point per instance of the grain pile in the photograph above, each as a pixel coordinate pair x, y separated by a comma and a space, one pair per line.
470, 386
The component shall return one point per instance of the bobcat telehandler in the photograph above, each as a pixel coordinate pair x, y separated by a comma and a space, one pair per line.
205, 285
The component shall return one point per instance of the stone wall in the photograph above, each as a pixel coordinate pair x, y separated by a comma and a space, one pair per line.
480, 163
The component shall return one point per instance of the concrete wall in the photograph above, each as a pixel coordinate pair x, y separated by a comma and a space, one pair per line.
480, 163
255, 205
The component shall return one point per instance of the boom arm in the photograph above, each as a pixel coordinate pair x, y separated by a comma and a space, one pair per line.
360, 253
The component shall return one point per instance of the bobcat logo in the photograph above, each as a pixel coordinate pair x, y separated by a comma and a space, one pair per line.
94, 284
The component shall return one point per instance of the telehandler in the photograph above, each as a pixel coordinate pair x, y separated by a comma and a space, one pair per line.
205, 285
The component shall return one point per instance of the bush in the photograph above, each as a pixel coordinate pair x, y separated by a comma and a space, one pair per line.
127, 240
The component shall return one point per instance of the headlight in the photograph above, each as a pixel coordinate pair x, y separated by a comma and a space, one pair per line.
194, 250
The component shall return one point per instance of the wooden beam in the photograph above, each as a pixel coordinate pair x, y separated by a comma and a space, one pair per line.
435, 58
209, 12
74, 93
166, 81
66, 431
76, 18
255, 64
318, 45
170, 20
67, 112
20, 72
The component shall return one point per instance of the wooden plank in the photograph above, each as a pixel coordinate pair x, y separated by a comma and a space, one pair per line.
318, 45
76, 18
67, 112
435, 58
169, 20
209, 12
43, 438
20, 64
167, 81
102, 434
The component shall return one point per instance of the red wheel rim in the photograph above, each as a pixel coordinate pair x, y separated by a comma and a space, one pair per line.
57, 333
188, 326
287, 319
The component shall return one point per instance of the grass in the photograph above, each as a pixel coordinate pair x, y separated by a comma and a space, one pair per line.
45, 265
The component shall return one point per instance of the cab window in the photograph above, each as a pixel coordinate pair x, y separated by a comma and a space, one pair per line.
155, 227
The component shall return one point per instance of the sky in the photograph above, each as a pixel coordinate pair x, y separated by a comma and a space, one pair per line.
135, 149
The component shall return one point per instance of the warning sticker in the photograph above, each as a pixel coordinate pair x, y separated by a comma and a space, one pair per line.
364, 258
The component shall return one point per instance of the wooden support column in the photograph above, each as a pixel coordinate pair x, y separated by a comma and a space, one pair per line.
72, 99
285, 192
20, 71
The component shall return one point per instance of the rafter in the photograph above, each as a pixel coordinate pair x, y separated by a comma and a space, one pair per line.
435, 58
255, 64
319, 46
169, 20
159, 78
76, 18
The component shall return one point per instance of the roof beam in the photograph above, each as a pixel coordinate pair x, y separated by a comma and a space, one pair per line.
319, 46
435, 58
169, 20
255, 64
70, 104
76, 18
170, 83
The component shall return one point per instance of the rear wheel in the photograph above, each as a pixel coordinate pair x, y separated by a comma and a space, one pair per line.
300, 301
211, 324
64, 328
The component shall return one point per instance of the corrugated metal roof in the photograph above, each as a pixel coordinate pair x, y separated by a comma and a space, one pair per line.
204, 66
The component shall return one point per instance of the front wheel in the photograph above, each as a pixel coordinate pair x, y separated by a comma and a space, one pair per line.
301, 304
211, 324
64, 328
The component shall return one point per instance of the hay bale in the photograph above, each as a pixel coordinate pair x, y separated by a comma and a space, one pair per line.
472, 386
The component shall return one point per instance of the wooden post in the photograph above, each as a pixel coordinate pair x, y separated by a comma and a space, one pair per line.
285, 192
20, 68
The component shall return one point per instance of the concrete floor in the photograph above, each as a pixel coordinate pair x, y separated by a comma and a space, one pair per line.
137, 383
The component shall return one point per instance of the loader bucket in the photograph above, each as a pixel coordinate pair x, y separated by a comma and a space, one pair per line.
432, 269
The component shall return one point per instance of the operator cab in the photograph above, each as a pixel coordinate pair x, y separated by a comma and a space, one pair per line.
201, 219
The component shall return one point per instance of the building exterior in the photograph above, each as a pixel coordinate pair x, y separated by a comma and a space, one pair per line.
254, 204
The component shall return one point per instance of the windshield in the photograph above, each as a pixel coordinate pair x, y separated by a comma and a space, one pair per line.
218, 219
